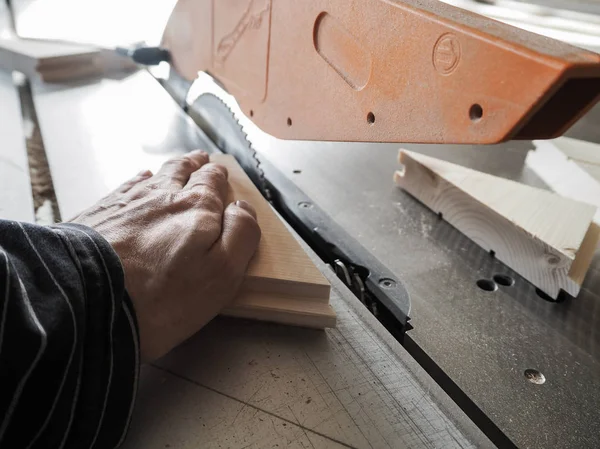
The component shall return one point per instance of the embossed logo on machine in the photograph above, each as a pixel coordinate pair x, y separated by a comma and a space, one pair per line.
241, 36
446, 54
253, 18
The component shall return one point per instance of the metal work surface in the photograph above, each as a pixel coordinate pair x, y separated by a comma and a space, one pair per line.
482, 341
15, 185
101, 132
247, 384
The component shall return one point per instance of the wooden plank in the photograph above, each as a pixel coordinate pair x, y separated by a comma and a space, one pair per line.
585, 154
16, 201
56, 62
564, 176
539, 234
579, 150
592, 169
282, 284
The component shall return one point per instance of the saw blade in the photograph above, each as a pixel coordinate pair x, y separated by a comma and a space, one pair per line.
220, 124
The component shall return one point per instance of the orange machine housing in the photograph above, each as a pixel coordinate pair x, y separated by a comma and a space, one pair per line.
383, 70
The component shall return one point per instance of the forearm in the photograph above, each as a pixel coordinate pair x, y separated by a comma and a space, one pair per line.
68, 339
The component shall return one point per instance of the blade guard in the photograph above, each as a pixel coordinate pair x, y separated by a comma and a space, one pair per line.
383, 70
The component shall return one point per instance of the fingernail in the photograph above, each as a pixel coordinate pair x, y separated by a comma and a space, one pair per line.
247, 207
144, 173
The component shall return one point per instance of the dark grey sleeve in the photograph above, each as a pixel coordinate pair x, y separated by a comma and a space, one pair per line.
69, 344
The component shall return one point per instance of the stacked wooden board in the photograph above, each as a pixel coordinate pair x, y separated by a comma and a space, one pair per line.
548, 239
282, 283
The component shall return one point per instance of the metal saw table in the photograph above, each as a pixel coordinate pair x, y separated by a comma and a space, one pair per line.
476, 344
242, 384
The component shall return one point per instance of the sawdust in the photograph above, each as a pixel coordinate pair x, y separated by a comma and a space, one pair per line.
42, 189
41, 179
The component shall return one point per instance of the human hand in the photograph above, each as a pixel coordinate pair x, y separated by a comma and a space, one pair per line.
184, 250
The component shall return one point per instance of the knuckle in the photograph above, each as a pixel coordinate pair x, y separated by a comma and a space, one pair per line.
216, 169
181, 163
209, 218
204, 198
209, 176
207, 226
215, 177
151, 186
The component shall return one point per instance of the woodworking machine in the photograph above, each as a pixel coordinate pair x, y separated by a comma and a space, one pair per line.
412, 71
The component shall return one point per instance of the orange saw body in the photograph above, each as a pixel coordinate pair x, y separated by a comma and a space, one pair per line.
383, 70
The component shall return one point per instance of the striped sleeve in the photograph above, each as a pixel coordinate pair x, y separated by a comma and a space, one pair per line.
69, 344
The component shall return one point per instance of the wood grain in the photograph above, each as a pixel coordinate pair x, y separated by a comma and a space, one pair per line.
282, 283
537, 233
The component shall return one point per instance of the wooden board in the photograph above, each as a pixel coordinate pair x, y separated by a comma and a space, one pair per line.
592, 169
54, 62
585, 154
579, 150
547, 239
15, 186
282, 283
565, 176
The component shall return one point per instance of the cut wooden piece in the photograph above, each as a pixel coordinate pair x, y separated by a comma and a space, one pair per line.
592, 169
296, 311
585, 154
564, 176
54, 62
547, 239
282, 283
579, 150
15, 186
